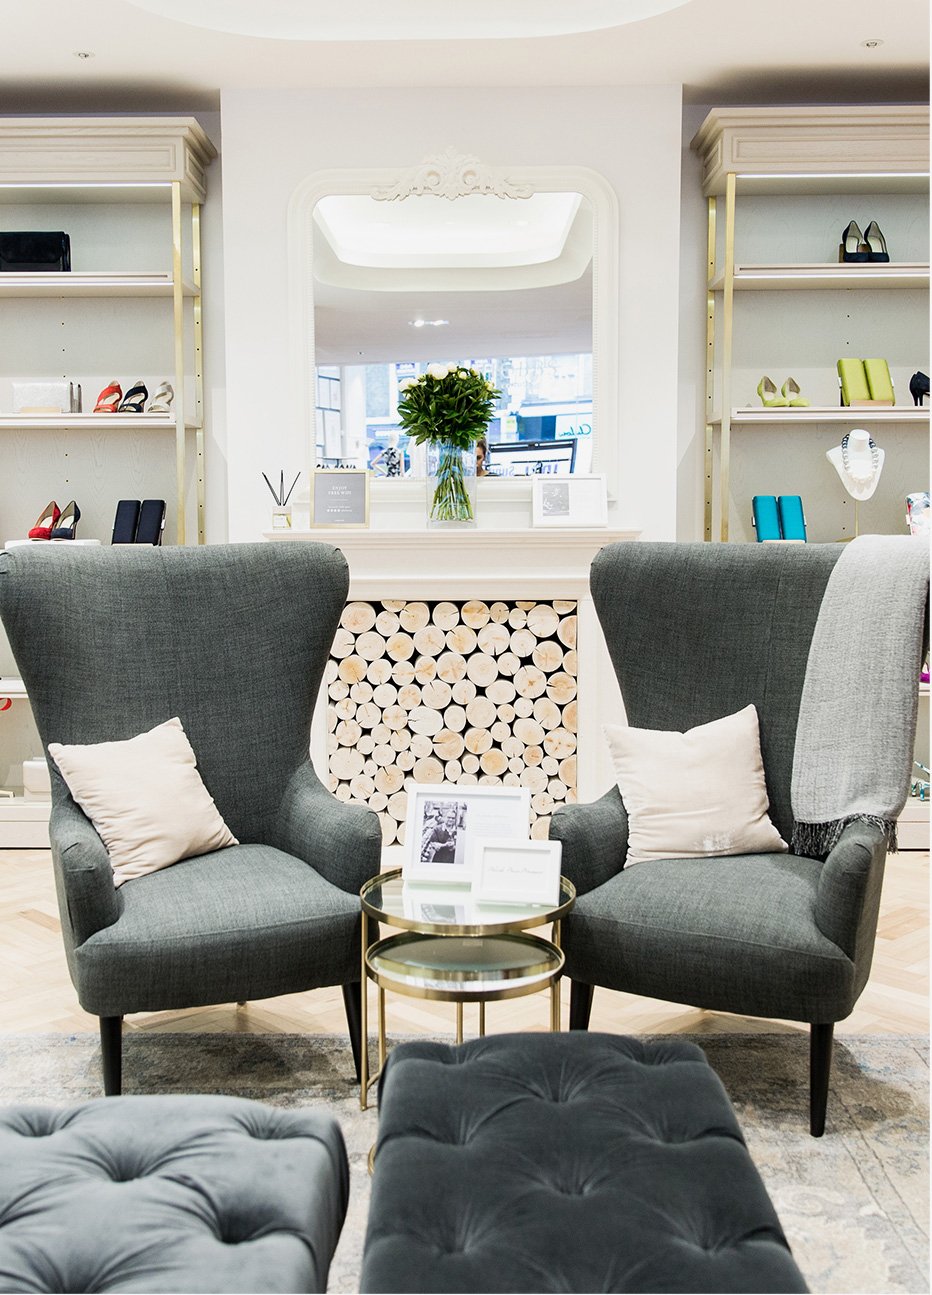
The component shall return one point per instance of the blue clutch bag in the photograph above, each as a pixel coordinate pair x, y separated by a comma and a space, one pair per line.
792, 518
766, 517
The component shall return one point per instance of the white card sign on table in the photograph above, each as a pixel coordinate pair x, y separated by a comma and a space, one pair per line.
515, 872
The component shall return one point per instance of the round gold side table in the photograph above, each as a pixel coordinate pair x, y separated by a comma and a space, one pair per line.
454, 949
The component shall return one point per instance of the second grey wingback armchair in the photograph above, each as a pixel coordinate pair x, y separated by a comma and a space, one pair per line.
697, 632
233, 639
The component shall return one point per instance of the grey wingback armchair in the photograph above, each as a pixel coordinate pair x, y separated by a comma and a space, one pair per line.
233, 639
696, 632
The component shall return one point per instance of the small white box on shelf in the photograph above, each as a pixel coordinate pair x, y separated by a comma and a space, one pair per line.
42, 397
37, 784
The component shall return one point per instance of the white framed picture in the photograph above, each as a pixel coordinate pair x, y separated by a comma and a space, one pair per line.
570, 501
445, 820
517, 872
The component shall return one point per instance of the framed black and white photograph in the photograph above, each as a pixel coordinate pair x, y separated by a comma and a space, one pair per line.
517, 872
579, 501
340, 497
445, 820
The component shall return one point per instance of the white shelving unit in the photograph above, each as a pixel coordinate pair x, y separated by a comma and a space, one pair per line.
24, 824
791, 178
128, 190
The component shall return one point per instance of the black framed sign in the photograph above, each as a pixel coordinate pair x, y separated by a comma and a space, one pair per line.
340, 497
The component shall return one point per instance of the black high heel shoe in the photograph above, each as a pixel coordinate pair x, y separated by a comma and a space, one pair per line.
134, 399
876, 243
67, 522
852, 246
919, 387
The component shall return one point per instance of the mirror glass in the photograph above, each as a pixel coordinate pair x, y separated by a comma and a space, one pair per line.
501, 285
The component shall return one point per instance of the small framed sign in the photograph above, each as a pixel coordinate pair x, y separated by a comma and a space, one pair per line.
517, 872
340, 497
445, 820
570, 501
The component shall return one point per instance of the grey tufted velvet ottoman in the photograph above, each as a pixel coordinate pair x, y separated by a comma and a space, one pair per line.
565, 1162
169, 1194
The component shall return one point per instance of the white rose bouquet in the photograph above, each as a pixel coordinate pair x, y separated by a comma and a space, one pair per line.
447, 403
448, 406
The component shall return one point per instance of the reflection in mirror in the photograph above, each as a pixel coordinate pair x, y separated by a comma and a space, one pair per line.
500, 285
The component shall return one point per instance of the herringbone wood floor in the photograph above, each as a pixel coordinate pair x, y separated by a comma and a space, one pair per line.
36, 994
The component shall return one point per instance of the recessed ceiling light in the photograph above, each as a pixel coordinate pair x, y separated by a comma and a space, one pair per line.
871, 44
83, 53
428, 323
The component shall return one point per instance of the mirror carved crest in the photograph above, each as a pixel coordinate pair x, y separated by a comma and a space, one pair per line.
452, 175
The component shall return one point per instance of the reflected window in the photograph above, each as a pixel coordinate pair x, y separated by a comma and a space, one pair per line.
542, 426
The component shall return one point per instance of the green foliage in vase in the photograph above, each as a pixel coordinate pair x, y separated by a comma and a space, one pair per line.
447, 403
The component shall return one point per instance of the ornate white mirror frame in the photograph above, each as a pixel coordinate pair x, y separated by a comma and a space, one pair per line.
453, 175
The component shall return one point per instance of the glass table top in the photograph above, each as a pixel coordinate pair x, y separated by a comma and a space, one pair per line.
453, 910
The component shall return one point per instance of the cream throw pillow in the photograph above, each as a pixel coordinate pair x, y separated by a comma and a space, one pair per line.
695, 794
146, 799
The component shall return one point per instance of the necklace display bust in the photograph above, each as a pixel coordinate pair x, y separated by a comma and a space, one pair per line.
858, 462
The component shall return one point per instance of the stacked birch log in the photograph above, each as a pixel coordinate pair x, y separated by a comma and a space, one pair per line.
453, 692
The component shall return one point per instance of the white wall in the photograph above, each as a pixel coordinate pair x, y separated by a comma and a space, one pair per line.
273, 141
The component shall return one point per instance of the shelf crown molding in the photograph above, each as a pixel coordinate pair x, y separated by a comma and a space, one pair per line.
106, 150
885, 140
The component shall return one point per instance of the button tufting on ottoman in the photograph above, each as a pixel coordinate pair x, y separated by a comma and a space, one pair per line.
169, 1194
565, 1162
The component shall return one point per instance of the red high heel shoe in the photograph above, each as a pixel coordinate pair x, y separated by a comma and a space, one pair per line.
109, 398
46, 520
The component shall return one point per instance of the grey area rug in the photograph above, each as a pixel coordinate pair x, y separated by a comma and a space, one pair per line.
854, 1204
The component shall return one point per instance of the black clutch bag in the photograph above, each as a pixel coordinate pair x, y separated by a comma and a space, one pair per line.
35, 251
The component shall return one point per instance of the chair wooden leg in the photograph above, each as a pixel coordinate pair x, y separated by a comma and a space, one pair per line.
111, 1054
580, 1004
352, 1005
820, 1067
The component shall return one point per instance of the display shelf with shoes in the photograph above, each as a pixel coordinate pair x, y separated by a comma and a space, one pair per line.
817, 247
130, 198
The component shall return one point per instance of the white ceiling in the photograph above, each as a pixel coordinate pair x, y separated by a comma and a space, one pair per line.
721, 51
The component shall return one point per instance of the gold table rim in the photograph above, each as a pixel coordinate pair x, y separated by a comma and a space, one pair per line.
518, 924
463, 991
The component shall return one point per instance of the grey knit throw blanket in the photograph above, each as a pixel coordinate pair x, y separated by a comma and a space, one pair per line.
857, 715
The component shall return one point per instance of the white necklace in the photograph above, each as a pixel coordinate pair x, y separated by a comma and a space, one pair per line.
860, 471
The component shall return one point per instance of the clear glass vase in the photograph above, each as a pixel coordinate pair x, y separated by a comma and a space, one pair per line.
451, 484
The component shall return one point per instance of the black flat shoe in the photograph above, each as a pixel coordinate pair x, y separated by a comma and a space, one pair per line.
876, 243
67, 523
852, 246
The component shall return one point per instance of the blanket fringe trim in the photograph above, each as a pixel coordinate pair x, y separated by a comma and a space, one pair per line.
817, 840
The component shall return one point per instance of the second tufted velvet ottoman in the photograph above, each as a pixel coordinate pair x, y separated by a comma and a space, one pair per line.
169, 1194
565, 1162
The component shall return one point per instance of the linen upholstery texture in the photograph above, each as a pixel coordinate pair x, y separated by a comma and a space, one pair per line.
695, 632
172, 1193
233, 639
565, 1162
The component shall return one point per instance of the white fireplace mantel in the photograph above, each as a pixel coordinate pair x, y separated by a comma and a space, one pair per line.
467, 563
540, 564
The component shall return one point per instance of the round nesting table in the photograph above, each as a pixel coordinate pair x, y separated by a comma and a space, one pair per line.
453, 949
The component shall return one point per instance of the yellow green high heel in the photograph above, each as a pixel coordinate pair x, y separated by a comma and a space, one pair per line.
790, 390
770, 397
